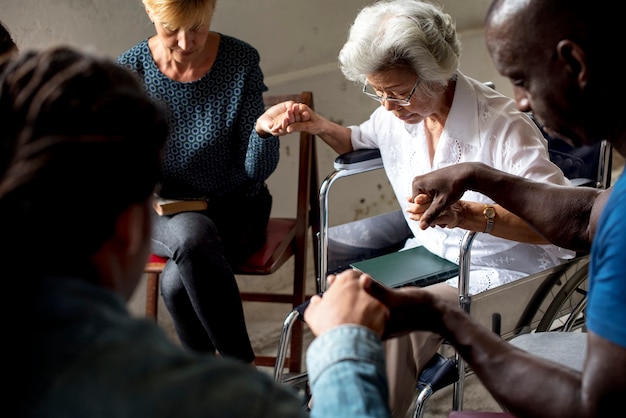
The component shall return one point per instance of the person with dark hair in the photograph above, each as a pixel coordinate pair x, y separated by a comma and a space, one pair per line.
7, 44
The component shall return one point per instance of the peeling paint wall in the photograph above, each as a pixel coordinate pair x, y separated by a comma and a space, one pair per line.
298, 41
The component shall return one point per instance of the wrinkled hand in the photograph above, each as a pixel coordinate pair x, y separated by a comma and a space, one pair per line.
345, 302
452, 217
276, 119
444, 187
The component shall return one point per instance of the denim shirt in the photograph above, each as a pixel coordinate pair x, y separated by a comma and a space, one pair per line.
346, 368
88, 357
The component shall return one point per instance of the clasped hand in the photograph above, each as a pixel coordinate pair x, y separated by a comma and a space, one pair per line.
452, 217
279, 119
355, 298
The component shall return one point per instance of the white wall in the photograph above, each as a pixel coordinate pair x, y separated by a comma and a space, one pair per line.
298, 41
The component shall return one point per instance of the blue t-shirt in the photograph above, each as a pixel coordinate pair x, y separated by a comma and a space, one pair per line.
606, 308
213, 149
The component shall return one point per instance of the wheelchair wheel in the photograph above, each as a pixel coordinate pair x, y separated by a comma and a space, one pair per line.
566, 312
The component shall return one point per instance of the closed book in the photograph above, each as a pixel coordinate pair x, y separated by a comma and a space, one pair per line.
411, 267
171, 206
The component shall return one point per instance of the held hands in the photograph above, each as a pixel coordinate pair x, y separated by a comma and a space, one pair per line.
277, 118
288, 117
285, 118
452, 217
411, 308
435, 195
345, 302
355, 298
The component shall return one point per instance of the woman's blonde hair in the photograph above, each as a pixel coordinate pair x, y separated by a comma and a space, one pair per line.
181, 13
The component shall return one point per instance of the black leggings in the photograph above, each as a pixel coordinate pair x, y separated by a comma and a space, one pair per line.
198, 285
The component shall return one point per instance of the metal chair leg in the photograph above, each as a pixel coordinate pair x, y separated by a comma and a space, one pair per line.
283, 344
438, 373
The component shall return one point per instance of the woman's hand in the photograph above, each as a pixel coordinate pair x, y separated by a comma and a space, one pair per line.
452, 217
275, 120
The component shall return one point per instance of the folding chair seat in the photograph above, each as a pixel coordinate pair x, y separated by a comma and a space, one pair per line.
286, 238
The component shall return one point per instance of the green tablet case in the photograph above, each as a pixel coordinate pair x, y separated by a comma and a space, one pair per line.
412, 267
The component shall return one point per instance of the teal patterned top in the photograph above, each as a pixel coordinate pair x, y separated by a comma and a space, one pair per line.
213, 149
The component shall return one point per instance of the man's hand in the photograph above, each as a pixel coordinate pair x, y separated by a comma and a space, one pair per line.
355, 298
452, 217
345, 302
443, 187
411, 308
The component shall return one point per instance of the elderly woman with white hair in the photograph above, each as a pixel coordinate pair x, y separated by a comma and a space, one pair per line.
405, 55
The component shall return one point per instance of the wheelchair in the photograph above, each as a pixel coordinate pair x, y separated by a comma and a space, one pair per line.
551, 300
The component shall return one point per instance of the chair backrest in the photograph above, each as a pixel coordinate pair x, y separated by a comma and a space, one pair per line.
283, 230
587, 165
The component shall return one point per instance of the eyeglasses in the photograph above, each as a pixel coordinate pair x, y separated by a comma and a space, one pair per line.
399, 102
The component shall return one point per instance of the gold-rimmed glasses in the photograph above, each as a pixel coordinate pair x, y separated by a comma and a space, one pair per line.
399, 102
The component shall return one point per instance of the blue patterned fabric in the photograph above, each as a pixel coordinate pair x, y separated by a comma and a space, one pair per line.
213, 150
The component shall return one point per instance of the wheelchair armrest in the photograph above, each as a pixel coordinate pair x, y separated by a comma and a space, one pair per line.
301, 308
438, 373
359, 159
583, 182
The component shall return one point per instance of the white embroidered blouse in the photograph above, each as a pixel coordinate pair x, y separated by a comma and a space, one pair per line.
483, 125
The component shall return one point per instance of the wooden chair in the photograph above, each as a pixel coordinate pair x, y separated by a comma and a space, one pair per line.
286, 238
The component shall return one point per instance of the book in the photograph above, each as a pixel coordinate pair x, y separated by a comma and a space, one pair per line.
411, 267
171, 206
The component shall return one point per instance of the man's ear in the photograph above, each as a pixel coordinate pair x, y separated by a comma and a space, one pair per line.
128, 250
121, 258
575, 59
132, 227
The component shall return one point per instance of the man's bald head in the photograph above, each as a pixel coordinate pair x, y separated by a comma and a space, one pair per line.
560, 56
